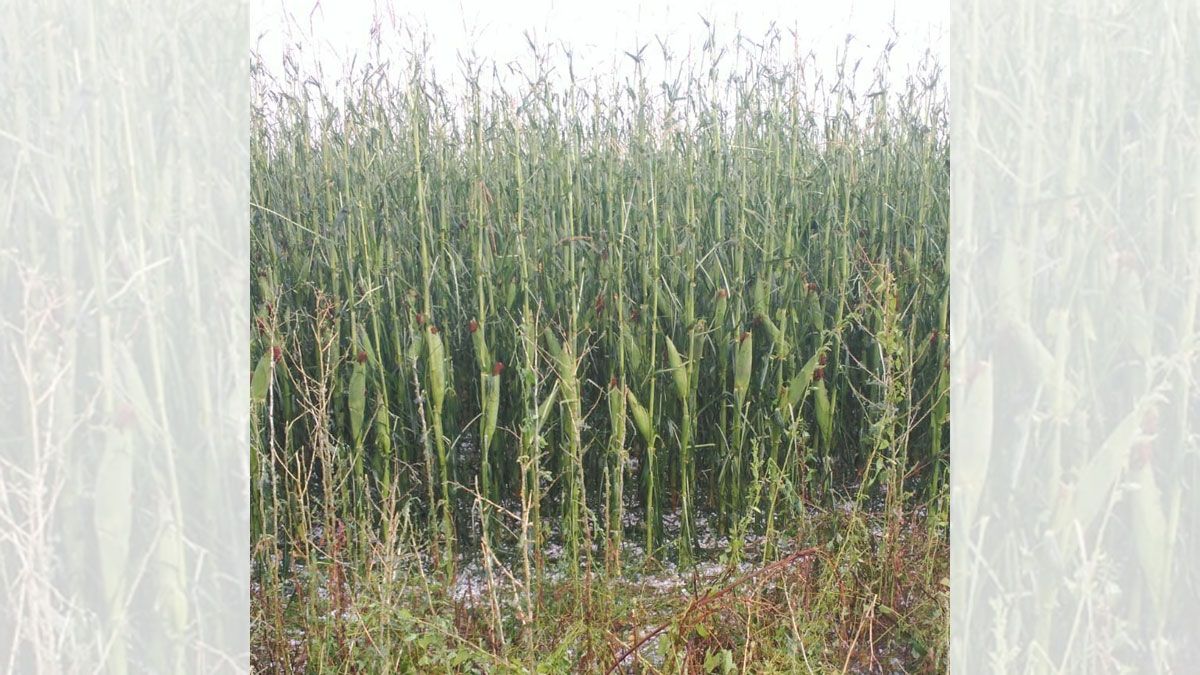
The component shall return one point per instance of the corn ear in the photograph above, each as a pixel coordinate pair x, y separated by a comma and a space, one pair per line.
616, 414
548, 403
564, 362
491, 410
641, 418
113, 512
553, 345
771, 326
113, 521
481, 351
437, 367
1151, 535
633, 351
363, 341
265, 285
743, 361
383, 430
510, 294
824, 414
172, 579
794, 391
782, 347
760, 297
415, 349
678, 371
261, 379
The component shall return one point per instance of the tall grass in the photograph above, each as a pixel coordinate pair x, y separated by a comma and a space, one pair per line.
586, 314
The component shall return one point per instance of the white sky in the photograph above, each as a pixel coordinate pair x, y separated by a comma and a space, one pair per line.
597, 32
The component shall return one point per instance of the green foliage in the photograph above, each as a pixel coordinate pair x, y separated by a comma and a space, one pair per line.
704, 266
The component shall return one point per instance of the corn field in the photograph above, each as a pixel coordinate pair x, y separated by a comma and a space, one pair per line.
599, 318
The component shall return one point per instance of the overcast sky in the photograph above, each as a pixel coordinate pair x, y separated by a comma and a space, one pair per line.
598, 32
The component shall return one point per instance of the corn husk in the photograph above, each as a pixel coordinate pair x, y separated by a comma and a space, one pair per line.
679, 373
641, 418
436, 351
743, 361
